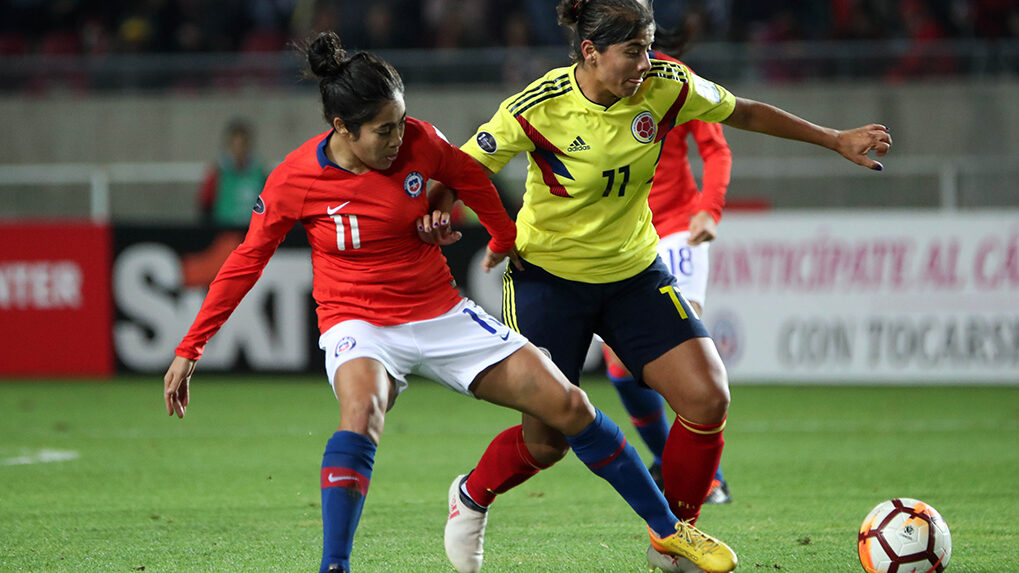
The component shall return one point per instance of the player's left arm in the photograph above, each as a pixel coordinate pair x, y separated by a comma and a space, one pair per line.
434, 227
853, 144
717, 157
461, 177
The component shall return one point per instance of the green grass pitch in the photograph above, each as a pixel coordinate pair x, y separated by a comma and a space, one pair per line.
234, 486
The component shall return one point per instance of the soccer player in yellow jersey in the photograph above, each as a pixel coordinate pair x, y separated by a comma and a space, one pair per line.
586, 259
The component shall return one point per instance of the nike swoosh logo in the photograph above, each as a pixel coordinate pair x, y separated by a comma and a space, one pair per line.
331, 477
332, 210
506, 335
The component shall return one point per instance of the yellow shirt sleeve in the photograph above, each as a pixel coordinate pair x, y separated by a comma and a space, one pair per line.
706, 101
498, 140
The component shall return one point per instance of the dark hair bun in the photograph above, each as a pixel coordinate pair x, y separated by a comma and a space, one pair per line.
569, 11
326, 56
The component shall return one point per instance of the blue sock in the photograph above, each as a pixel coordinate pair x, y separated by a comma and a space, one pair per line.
718, 475
346, 473
603, 448
647, 412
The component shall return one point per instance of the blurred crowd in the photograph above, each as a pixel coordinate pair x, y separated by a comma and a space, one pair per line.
86, 27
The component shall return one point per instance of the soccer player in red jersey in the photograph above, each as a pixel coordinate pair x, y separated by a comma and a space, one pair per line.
387, 306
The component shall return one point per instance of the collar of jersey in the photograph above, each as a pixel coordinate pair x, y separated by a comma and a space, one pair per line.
583, 98
323, 159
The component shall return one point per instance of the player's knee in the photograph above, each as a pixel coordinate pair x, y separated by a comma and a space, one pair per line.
716, 395
718, 404
575, 412
712, 403
548, 453
577, 405
366, 416
705, 399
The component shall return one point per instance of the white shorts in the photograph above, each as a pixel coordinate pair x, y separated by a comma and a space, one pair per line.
688, 264
452, 348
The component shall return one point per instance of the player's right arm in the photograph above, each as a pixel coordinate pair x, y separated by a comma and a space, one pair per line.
175, 385
275, 214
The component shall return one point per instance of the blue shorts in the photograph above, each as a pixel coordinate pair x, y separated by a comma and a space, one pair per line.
641, 317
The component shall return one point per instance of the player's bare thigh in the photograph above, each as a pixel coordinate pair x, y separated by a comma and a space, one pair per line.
365, 392
528, 381
692, 379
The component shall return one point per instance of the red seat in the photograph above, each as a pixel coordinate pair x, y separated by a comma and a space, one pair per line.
12, 44
263, 41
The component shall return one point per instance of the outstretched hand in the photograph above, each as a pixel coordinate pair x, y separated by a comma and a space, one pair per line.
492, 259
435, 229
175, 385
855, 144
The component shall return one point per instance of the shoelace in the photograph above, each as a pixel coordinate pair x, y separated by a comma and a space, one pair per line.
695, 537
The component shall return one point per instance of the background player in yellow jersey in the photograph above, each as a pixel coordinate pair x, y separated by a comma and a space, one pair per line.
588, 261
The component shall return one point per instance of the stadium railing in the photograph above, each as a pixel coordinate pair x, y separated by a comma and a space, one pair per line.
722, 61
947, 184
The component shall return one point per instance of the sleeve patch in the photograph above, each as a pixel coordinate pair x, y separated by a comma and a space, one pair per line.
707, 90
486, 141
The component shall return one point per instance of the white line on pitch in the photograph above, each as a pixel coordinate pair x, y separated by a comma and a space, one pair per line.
40, 457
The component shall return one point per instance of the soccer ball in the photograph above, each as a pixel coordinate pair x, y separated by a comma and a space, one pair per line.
904, 536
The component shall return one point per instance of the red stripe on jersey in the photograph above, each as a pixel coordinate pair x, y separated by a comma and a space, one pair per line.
542, 159
669, 119
346, 478
535, 136
548, 176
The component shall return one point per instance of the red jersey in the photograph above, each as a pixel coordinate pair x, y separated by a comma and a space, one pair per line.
674, 194
367, 260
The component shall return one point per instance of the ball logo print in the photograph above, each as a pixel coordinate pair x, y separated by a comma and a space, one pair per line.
486, 141
904, 536
259, 207
643, 127
414, 183
346, 343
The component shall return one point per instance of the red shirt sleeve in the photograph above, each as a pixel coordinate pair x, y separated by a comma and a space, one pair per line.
280, 205
717, 156
462, 173
207, 194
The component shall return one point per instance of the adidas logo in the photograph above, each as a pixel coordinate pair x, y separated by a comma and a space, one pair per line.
578, 145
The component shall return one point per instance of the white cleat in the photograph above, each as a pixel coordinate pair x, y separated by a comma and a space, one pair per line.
669, 563
465, 532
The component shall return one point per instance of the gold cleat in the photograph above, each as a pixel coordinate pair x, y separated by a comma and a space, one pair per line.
701, 549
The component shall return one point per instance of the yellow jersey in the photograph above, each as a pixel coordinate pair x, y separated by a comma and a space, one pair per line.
585, 215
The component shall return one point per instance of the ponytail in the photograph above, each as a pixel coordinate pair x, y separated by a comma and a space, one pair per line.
353, 88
